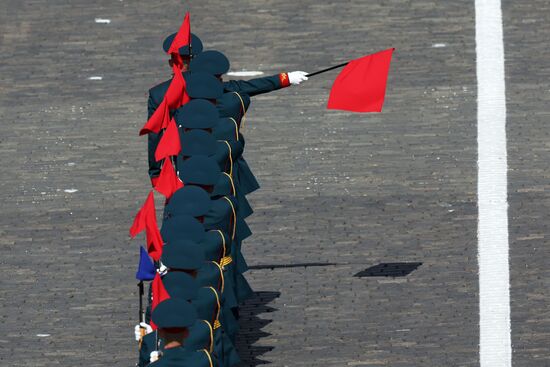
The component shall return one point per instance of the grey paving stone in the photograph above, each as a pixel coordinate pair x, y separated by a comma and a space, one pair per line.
349, 189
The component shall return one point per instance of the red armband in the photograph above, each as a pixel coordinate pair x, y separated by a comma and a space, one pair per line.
283, 78
154, 181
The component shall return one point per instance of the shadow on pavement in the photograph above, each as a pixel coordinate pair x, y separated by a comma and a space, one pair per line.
389, 270
287, 266
251, 326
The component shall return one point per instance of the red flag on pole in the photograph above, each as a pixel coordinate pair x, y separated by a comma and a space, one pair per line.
154, 239
140, 219
183, 37
169, 143
158, 120
361, 85
146, 219
159, 294
168, 182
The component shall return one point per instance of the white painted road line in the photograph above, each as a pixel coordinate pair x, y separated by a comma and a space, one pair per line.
494, 285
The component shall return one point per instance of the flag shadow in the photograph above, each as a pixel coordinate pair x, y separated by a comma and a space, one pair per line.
251, 328
389, 270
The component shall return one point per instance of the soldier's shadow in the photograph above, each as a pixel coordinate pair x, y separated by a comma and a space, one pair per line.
251, 328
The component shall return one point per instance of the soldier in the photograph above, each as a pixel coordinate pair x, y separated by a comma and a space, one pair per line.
199, 333
200, 337
173, 318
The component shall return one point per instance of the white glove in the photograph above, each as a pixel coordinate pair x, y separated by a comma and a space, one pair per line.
296, 77
138, 328
154, 356
162, 269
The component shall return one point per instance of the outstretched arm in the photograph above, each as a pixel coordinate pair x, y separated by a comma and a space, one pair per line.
266, 84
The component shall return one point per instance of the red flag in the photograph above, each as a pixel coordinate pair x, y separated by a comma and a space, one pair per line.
183, 37
169, 143
141, 217
146, 219
361, 86
158, 121
154, 239
159, 294
176, 96
168, 183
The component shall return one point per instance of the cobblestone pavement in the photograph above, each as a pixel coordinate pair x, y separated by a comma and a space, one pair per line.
340, 193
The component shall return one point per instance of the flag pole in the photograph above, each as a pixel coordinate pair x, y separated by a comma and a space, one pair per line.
327, 69
141, 314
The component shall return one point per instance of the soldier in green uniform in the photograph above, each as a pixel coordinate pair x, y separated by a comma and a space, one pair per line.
200, 333
201, 336
173, 318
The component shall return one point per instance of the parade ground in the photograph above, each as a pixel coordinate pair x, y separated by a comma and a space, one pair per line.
365, 230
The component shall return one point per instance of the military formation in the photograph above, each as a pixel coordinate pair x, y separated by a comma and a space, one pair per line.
195, 154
